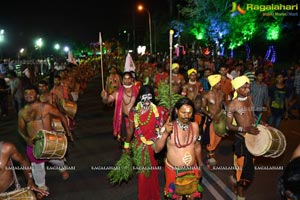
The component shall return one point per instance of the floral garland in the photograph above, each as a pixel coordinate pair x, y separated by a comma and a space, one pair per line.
138, 123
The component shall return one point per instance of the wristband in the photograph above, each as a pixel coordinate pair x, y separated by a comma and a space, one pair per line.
126, 145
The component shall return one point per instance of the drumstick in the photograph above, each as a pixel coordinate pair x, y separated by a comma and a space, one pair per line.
258, 119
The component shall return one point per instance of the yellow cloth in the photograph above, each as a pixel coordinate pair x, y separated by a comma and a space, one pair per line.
190, 71
239, 82
175, 65
214, 79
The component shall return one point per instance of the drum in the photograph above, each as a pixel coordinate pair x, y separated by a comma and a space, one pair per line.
70, 107
50, 145
270, 142
220, 127
18, 194
57, 125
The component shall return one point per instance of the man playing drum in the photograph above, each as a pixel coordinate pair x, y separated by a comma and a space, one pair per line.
61, 90
241, 110
51, 98
9, 151
32, 118
212, 103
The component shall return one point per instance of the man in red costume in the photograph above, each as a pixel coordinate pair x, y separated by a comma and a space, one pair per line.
145, 120
124, 99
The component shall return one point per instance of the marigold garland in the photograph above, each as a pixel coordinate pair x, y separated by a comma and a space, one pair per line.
138, 123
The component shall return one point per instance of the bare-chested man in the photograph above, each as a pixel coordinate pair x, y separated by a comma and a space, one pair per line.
183, 150
194, 91
212, 103
193, 87
33, 117
124, 99
8, 152
46, 97
61, 91
241, 109
177, 79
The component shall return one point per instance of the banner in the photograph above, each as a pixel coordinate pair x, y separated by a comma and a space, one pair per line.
71, 59
129, 64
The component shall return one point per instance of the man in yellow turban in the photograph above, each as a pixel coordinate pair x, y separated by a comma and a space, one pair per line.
214, 79
193, 87
240, 109
175, 65
239, 82
193, 90
190, 71
215, 124
177, 79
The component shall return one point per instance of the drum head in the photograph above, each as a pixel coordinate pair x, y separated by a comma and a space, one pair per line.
69, 107
39, 144
259, 144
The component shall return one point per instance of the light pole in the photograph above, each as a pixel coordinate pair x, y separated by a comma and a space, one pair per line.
140, 7
1, 39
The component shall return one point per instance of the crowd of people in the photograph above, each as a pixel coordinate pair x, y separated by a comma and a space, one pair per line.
47, 106
217, 99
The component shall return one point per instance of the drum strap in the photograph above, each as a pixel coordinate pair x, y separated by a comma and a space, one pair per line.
41, 109
17, 184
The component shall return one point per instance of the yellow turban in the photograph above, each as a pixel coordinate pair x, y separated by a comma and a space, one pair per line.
214, 79
239, 82
175, 65
190, 71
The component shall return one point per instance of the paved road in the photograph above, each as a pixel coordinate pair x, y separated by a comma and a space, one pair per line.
95, 147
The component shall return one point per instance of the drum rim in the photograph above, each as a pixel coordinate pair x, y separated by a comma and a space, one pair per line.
247, 135
44, 146
24, 189
278, 153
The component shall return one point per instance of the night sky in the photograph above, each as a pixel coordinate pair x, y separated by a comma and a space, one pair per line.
24, 21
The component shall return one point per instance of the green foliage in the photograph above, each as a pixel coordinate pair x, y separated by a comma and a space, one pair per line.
216, 16
141, 159
163, 97
122, 171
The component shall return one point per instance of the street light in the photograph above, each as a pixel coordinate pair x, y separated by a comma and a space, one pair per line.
39, 43
140, 8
